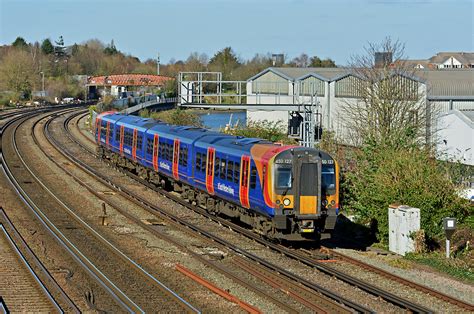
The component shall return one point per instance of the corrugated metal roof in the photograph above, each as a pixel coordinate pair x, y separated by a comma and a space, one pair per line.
469, 114
327, 73
452, 82
440, 82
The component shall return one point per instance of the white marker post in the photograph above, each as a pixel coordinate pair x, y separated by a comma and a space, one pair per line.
449, 225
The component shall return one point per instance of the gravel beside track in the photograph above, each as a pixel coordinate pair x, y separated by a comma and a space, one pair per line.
440, 282
21, 289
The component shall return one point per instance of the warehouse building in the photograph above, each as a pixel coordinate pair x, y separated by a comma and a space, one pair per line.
336, 88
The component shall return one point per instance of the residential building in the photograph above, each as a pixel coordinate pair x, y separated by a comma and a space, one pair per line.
120, 84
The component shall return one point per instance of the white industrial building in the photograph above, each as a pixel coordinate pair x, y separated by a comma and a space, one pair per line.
441, 90
456, 136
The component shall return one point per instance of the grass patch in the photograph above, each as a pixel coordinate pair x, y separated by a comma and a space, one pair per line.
458, 268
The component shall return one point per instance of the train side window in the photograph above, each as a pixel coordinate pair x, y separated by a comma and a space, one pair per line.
185, 159
253, 178
230, 170
198, 161
217, 167
222, 170
149, 146
168, 152
139, 141
117, 134
236, 172
183, 156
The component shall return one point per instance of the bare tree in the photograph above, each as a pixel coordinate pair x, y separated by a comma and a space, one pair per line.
18, 73
389, 100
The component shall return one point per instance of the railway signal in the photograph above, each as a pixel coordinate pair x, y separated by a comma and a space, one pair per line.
449, 226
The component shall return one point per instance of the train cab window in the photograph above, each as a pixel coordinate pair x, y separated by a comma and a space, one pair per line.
217, 167
198, 161
222, 170
149, 146
283, 178
253, 178
328, 180
236, 172
230, 170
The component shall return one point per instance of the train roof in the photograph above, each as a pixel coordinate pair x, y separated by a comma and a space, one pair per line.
189, 134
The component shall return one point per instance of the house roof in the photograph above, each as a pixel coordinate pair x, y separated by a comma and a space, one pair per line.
128, 80
463, 57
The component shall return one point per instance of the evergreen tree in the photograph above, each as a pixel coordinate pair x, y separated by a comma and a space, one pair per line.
59, 49
47, 47
225, 61
111, 49
19, 43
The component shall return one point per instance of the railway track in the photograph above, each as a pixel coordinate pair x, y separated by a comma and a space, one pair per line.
312, 299
22, 289
293, 254
112, 269
313, 262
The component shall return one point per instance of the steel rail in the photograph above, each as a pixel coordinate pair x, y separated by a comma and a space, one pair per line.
80, 258
22, 261
24, 249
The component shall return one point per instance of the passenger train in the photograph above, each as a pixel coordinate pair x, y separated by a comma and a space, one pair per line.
281, 191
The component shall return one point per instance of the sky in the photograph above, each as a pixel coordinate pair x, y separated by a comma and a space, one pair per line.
336, 29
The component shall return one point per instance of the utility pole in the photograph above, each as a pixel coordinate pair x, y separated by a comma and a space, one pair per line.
42, 80
158, 64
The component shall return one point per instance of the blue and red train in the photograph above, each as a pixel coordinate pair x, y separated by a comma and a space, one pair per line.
282, 192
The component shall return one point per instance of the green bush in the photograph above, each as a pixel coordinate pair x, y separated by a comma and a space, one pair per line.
382, 175
175, 116
269, 130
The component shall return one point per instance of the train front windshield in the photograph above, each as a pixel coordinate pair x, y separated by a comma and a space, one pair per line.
328, 181
284, 178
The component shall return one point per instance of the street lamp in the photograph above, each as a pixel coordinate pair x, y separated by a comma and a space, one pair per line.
42, 80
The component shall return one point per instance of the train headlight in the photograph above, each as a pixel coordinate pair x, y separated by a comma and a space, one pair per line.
324, 203
333, 202
286, 202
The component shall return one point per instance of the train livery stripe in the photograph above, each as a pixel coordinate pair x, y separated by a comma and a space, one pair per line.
156, 141
176, 158
99, 129
122, 129
107, 135
244, 181
210, 170
134, 144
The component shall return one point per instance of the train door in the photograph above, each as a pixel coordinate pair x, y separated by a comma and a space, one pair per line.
175, 159
244, 181
134, 144
211, 154
308, 184
122, 131
156, 141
